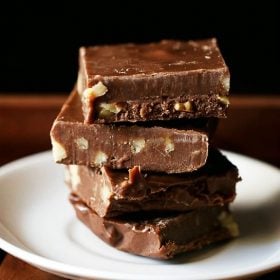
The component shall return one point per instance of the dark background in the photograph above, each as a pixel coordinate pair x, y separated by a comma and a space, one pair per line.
39, 43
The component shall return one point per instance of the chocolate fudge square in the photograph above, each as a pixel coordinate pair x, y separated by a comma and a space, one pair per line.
111, 192
159, 147
160, 236
156, 81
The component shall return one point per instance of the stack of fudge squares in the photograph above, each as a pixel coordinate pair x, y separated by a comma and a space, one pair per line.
135, 137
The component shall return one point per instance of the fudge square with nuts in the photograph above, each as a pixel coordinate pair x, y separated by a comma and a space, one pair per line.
160, 147
160, 236
156, 81
111, 192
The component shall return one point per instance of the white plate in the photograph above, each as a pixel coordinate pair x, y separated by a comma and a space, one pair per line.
38, 225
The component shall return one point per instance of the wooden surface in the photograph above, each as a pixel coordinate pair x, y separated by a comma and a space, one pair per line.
252, 128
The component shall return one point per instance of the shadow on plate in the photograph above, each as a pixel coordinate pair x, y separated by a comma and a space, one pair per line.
199, 255
261, 220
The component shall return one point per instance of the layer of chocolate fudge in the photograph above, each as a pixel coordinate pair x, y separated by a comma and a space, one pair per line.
156, 81
154, 147
163, 236
116, 192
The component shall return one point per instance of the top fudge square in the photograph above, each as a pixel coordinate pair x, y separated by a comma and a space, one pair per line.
156, 81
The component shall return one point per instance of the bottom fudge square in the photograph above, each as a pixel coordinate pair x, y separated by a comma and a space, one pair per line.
160, 236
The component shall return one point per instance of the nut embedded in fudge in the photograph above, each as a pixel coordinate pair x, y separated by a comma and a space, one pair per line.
156, 81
